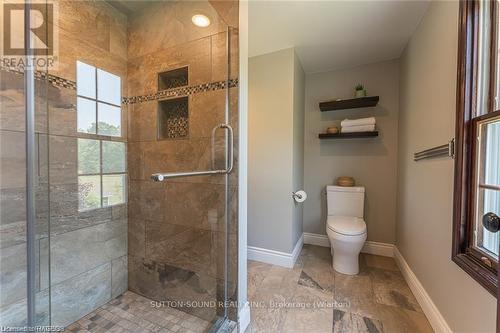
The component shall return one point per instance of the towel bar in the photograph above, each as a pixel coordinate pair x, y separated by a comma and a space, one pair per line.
439, 151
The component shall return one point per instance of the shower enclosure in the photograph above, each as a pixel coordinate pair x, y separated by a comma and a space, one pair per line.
118, 165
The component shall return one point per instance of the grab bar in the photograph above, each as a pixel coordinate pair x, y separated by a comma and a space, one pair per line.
439, 151
159, 177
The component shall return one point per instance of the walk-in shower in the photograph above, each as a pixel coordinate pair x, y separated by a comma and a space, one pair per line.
118, 165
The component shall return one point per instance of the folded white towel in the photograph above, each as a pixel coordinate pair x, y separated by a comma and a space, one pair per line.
355, 129
358, 122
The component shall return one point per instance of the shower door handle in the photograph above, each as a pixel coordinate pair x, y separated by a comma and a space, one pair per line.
159, 177
230, 157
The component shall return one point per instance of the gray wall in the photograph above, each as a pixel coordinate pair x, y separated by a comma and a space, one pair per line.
299, 81
425, 190
275, 160
372, 162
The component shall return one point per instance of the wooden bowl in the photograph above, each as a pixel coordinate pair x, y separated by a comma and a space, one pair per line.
332, 130
346, 181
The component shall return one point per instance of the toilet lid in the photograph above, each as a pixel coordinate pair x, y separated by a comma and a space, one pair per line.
346, 225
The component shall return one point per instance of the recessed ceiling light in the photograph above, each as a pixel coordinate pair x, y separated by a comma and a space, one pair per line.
200, 20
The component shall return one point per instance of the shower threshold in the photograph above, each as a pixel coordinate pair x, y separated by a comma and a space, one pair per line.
133, 313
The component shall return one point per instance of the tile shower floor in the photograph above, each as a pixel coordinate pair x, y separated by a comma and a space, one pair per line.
311, 297
132, 313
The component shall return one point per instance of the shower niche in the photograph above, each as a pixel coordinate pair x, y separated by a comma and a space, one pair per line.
173, 114
173, 118
173, 78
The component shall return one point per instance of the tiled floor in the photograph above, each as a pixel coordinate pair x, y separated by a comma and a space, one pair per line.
132, 313
311, 297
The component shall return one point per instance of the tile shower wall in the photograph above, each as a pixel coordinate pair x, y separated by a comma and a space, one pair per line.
176, 228
88, 262
88, 250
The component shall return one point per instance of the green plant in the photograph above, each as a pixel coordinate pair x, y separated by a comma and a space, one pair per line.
360, 87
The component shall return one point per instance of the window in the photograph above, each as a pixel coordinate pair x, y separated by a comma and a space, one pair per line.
477, 164
101, 162
98, 101
101, 173
488, 184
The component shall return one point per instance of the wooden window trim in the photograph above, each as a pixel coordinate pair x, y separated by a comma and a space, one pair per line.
463, 254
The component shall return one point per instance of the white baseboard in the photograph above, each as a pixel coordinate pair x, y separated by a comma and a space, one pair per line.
435, 318
276, 257
377, 248
244, 318
316, 239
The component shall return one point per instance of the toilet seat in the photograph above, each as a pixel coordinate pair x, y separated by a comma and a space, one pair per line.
346, 225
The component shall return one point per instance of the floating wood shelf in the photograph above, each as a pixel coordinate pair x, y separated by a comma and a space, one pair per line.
354, 103
348, 135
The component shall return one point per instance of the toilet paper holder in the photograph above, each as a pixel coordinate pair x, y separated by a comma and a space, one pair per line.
299, 196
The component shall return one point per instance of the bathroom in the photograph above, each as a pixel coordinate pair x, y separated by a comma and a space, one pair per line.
249, 166
364, 107
135, 88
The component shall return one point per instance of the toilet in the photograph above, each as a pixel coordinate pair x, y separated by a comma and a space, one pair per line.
345, 226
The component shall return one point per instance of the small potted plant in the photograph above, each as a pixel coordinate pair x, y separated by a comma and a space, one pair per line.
360, 91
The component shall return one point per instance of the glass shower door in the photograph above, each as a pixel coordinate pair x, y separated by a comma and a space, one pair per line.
24, 190
180, 193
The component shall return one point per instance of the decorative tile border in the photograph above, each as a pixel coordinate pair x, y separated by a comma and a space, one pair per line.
182, 91
56, 81
60, 82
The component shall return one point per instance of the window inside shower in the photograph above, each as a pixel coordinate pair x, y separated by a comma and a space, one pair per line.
89, 241
101, 162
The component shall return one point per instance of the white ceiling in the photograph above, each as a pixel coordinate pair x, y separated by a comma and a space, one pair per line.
330, 35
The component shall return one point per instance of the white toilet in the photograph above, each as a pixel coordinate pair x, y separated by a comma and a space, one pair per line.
345, 226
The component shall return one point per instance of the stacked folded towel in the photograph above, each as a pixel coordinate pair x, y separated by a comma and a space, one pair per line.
358, 125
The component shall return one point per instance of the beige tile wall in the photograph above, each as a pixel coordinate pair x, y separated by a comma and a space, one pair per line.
95, 33
176, 228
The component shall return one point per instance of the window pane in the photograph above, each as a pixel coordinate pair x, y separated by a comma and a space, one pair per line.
108, 87
88, 156
113, 190
86, 113
487, 180
113, 157
492, 161
491, 198
110, 120
89, 192
496, 92
85, 80
483, 58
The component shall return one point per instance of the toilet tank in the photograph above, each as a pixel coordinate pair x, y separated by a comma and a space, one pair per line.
345, 201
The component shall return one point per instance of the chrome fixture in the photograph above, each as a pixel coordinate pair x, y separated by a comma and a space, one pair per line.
159, 177
447, 150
